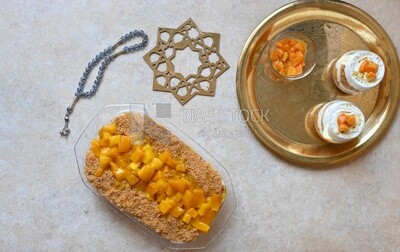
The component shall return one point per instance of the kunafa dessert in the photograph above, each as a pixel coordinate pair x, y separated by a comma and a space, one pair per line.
160, 180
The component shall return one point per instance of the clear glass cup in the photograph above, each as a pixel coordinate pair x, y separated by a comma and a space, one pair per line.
310, 55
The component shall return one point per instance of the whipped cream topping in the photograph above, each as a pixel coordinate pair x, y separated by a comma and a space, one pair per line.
327, 125
357, 79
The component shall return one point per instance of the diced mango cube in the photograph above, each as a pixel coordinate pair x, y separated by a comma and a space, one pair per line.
180, 168
299, 68
371, 68
99, 171
199, 197
291, 71
285, 56
283, 72
104, 161
285, 46
166, 205
104, 135
156, 163
292, 56
169, 191
151, 189
113, 166
114, 140
134, 168
343, 128
370, 76
341, 119
147, 147
192, 212
132, 179
215, 201
110, 128
188, 200
201, 226
148, 157
177, 185
137, 155
142, 185
111, 152
351, 120
168, 172
158, 175
274, 55
187, 182
186, 218
368, 66
104, 142
209, 217
278, 65
149, 196
161, 184
177, 212
124, 144
171, 162
127, 157
119, 174
178, 197
121, 162
204, 208
160, 196
146, 172
164, 156
297, 60
95, 147
279, 52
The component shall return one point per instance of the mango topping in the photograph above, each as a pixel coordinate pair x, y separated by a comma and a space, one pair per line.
369, 69
159, 176
288, 57
345, 122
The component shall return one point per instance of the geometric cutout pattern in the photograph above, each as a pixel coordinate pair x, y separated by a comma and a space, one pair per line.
168, 79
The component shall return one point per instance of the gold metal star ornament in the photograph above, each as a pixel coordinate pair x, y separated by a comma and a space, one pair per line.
166, 76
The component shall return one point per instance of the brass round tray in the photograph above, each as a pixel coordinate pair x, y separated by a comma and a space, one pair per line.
280, 113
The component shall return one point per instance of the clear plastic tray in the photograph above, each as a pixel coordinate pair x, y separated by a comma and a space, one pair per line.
108, 114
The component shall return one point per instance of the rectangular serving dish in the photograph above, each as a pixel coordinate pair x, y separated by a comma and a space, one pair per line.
107, 115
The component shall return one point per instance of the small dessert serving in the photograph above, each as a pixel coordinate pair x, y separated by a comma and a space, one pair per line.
156, 178
292, 55
339, 121
288, 57
358, 71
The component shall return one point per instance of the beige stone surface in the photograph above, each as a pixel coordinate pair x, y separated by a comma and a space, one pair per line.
280, 206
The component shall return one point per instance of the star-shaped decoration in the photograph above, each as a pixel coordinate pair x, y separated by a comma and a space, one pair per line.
205, 44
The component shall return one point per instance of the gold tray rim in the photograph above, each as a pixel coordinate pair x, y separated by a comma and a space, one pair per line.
369, 139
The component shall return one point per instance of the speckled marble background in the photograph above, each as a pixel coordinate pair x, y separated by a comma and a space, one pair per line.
44, 206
